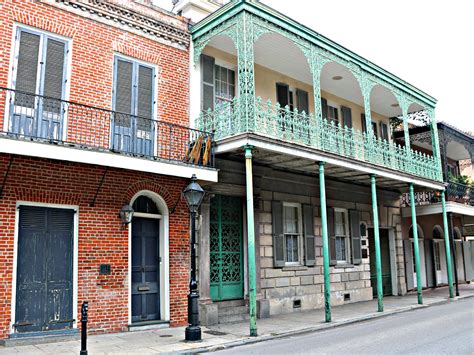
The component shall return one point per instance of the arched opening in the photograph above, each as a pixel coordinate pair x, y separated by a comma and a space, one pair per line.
386, 113
149, 259
341, 97
457, 235
214, 82
439, 256
411, 257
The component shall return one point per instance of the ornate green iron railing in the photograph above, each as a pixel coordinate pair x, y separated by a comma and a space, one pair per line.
282, 123
455, 192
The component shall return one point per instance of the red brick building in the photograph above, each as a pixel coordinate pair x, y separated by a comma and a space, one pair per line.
94, 117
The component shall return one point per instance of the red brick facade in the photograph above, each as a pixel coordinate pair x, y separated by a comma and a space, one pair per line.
102, 239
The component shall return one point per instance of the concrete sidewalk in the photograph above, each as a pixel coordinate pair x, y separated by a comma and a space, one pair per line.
229, 335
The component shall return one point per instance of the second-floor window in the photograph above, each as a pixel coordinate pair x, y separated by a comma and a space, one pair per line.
133, 103
217, 83
39, 70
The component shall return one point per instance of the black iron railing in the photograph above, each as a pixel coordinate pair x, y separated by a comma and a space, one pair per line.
45, 119
455, 192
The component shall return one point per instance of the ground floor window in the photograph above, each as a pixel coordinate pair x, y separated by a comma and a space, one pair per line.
342, 235
292, 227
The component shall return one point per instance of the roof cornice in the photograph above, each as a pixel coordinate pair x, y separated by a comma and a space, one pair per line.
134, 20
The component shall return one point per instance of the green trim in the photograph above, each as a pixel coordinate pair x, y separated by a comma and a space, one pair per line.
447, 246
324, 230
251, 242
416, 246
278, 19
378, 255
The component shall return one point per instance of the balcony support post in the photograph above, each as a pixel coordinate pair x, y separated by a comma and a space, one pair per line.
378, 257
435, 145
415, 244
244, 35
447, 246
316, 63
453, 250
251, 242
324, 227
366, 87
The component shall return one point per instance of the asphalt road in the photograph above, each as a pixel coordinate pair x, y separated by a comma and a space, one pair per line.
447, 328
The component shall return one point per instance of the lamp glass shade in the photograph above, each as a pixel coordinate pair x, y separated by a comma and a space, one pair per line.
193, 193
126, 214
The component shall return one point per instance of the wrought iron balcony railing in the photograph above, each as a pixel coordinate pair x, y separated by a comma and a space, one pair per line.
271, 120
455, 192
44, 119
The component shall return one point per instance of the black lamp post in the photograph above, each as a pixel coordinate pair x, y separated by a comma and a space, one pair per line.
193, 194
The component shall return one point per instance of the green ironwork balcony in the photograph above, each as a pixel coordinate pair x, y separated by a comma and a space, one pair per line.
280, 123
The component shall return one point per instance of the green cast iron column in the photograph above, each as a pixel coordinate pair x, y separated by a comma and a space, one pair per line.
327, 281
251, 242
415, 244
378, 257
447, 246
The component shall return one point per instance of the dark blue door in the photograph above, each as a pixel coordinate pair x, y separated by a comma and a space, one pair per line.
44, 290
145, 270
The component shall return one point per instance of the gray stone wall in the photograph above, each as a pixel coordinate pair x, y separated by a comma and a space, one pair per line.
280, 287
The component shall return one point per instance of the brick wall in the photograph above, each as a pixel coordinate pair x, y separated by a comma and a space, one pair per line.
93, 46
101, 236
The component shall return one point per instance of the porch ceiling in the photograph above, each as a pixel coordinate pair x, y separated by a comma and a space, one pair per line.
306, 166
277, 53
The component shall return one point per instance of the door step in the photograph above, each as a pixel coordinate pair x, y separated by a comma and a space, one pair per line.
38, 338
233, 314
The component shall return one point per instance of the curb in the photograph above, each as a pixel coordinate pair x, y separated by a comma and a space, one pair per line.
313, 329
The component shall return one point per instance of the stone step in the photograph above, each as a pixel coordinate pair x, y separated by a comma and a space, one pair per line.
39, 339
231, 303
233, 314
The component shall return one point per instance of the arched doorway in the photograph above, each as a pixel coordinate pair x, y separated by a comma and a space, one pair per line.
148, 260
439, 254
410, 259
459, 255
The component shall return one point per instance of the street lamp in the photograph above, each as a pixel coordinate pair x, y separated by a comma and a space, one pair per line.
193, 194
126, 214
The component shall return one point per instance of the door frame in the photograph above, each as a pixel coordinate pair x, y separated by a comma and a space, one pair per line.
75, 254
163, 240
392, 255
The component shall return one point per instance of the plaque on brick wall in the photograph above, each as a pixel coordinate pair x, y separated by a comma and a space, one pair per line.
104, 269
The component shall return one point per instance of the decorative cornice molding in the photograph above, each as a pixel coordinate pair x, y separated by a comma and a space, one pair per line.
133, 20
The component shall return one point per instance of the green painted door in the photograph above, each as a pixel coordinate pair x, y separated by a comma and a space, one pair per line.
227, 280
385, 256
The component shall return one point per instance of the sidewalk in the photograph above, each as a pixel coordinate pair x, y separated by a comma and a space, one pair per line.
234, 334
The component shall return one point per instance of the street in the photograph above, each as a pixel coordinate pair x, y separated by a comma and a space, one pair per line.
448, 328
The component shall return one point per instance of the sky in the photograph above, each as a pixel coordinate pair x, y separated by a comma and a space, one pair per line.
428, 43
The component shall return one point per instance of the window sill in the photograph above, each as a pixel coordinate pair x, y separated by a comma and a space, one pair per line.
294, 268
343, 266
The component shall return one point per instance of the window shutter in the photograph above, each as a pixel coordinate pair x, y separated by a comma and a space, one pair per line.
27, 67
308, 228
123, 87
145, 92
384, 130
207, 68
283, 94
354, 218
303, 103
54, 69
331, 237
363, 122
278, 237
324, 107
346, 116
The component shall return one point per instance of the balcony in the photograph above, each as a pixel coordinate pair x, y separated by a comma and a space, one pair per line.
455, 192
63, 124
302, 129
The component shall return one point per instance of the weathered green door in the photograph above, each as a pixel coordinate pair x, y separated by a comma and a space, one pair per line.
385, 256
227, 281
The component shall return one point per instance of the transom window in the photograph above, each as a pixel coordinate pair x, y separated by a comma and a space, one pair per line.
341, 222
292, 226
